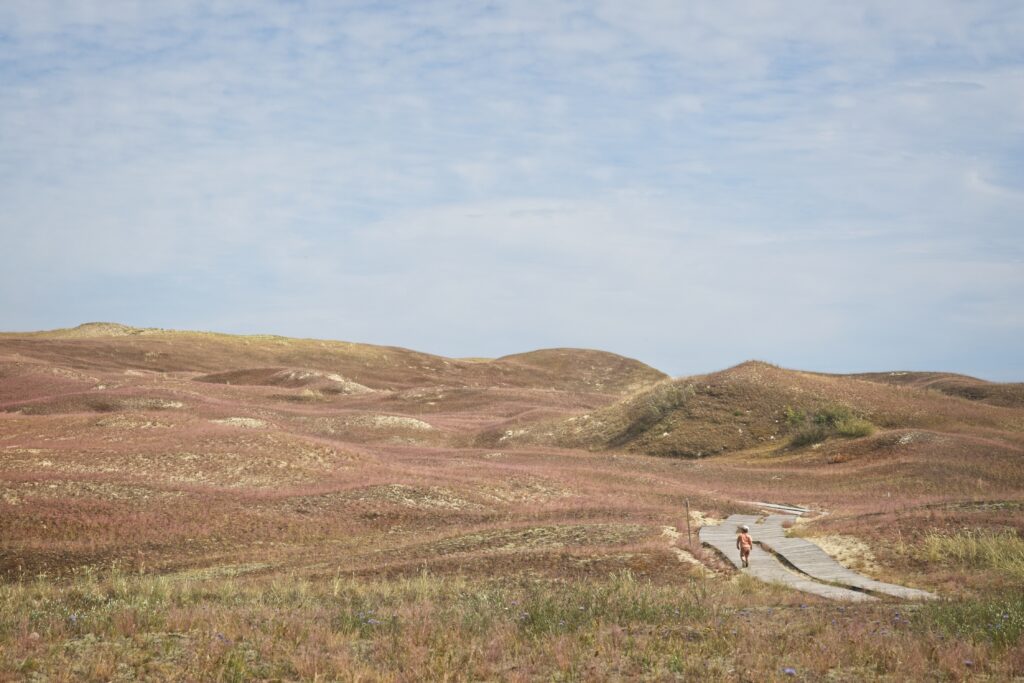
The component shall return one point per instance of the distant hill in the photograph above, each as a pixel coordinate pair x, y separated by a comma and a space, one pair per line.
568, 398
282, 361
743, 407
1009, 395
584, 369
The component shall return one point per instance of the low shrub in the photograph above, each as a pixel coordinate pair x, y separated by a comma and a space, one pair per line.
832, 416
435, 627
833, 420
794, 416
809, 435
854, 427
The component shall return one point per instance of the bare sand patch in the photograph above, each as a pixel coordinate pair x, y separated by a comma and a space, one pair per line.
151, 404
390, 421
700, 519
683, 555
849, 551
246, 422
338, 382
120, 421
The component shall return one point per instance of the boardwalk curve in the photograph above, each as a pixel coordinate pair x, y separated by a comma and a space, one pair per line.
814, 564
765, 566
813, 561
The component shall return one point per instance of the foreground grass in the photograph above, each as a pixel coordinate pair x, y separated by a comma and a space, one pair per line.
431, 628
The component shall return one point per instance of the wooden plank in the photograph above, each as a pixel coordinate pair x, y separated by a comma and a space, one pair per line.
815, 562
811, 561
792, 509
765, 566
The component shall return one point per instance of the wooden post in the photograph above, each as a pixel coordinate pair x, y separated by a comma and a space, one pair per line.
689, 541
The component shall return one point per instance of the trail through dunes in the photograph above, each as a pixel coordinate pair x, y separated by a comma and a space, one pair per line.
297, 452
199, 506
815, 571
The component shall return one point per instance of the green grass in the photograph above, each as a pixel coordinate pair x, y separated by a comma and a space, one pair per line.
854, 427
827, 422
831, 416
997, 621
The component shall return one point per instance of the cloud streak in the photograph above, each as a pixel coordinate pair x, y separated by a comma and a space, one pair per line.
823, 185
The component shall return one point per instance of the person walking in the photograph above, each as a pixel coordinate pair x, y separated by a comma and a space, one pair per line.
744, 543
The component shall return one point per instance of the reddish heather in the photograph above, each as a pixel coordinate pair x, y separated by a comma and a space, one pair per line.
182, 450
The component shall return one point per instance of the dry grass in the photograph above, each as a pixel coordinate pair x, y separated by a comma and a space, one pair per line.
293, 626
982, 549
1010, 395
207, 530
753, 405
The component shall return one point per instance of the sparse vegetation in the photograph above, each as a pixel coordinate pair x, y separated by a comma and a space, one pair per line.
294, 626
496, 520
1010, 395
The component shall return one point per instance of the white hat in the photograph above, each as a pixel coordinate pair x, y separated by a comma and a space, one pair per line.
745, 527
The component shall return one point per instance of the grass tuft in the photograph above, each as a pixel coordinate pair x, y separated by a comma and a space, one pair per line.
1002, 551
810, 434
832, 420
854, 427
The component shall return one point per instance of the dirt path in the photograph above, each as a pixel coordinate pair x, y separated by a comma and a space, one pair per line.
817, 572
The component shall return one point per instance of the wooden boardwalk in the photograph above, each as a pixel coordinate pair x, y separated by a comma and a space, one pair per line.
814, 564
765, 566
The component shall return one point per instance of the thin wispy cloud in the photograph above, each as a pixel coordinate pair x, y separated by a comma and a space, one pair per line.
828, 185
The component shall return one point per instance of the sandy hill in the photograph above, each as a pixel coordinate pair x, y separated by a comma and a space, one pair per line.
272, 360
972, 388
747, 406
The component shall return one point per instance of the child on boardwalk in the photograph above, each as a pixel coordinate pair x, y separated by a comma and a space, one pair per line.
744, 543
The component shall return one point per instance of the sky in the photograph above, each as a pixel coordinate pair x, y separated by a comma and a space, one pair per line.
833, 186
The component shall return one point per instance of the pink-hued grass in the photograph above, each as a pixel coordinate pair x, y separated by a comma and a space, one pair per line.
198, 529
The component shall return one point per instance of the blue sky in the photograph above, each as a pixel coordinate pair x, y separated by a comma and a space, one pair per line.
834, 186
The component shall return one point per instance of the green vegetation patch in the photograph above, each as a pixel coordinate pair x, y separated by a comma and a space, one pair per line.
998, 621
830, 421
